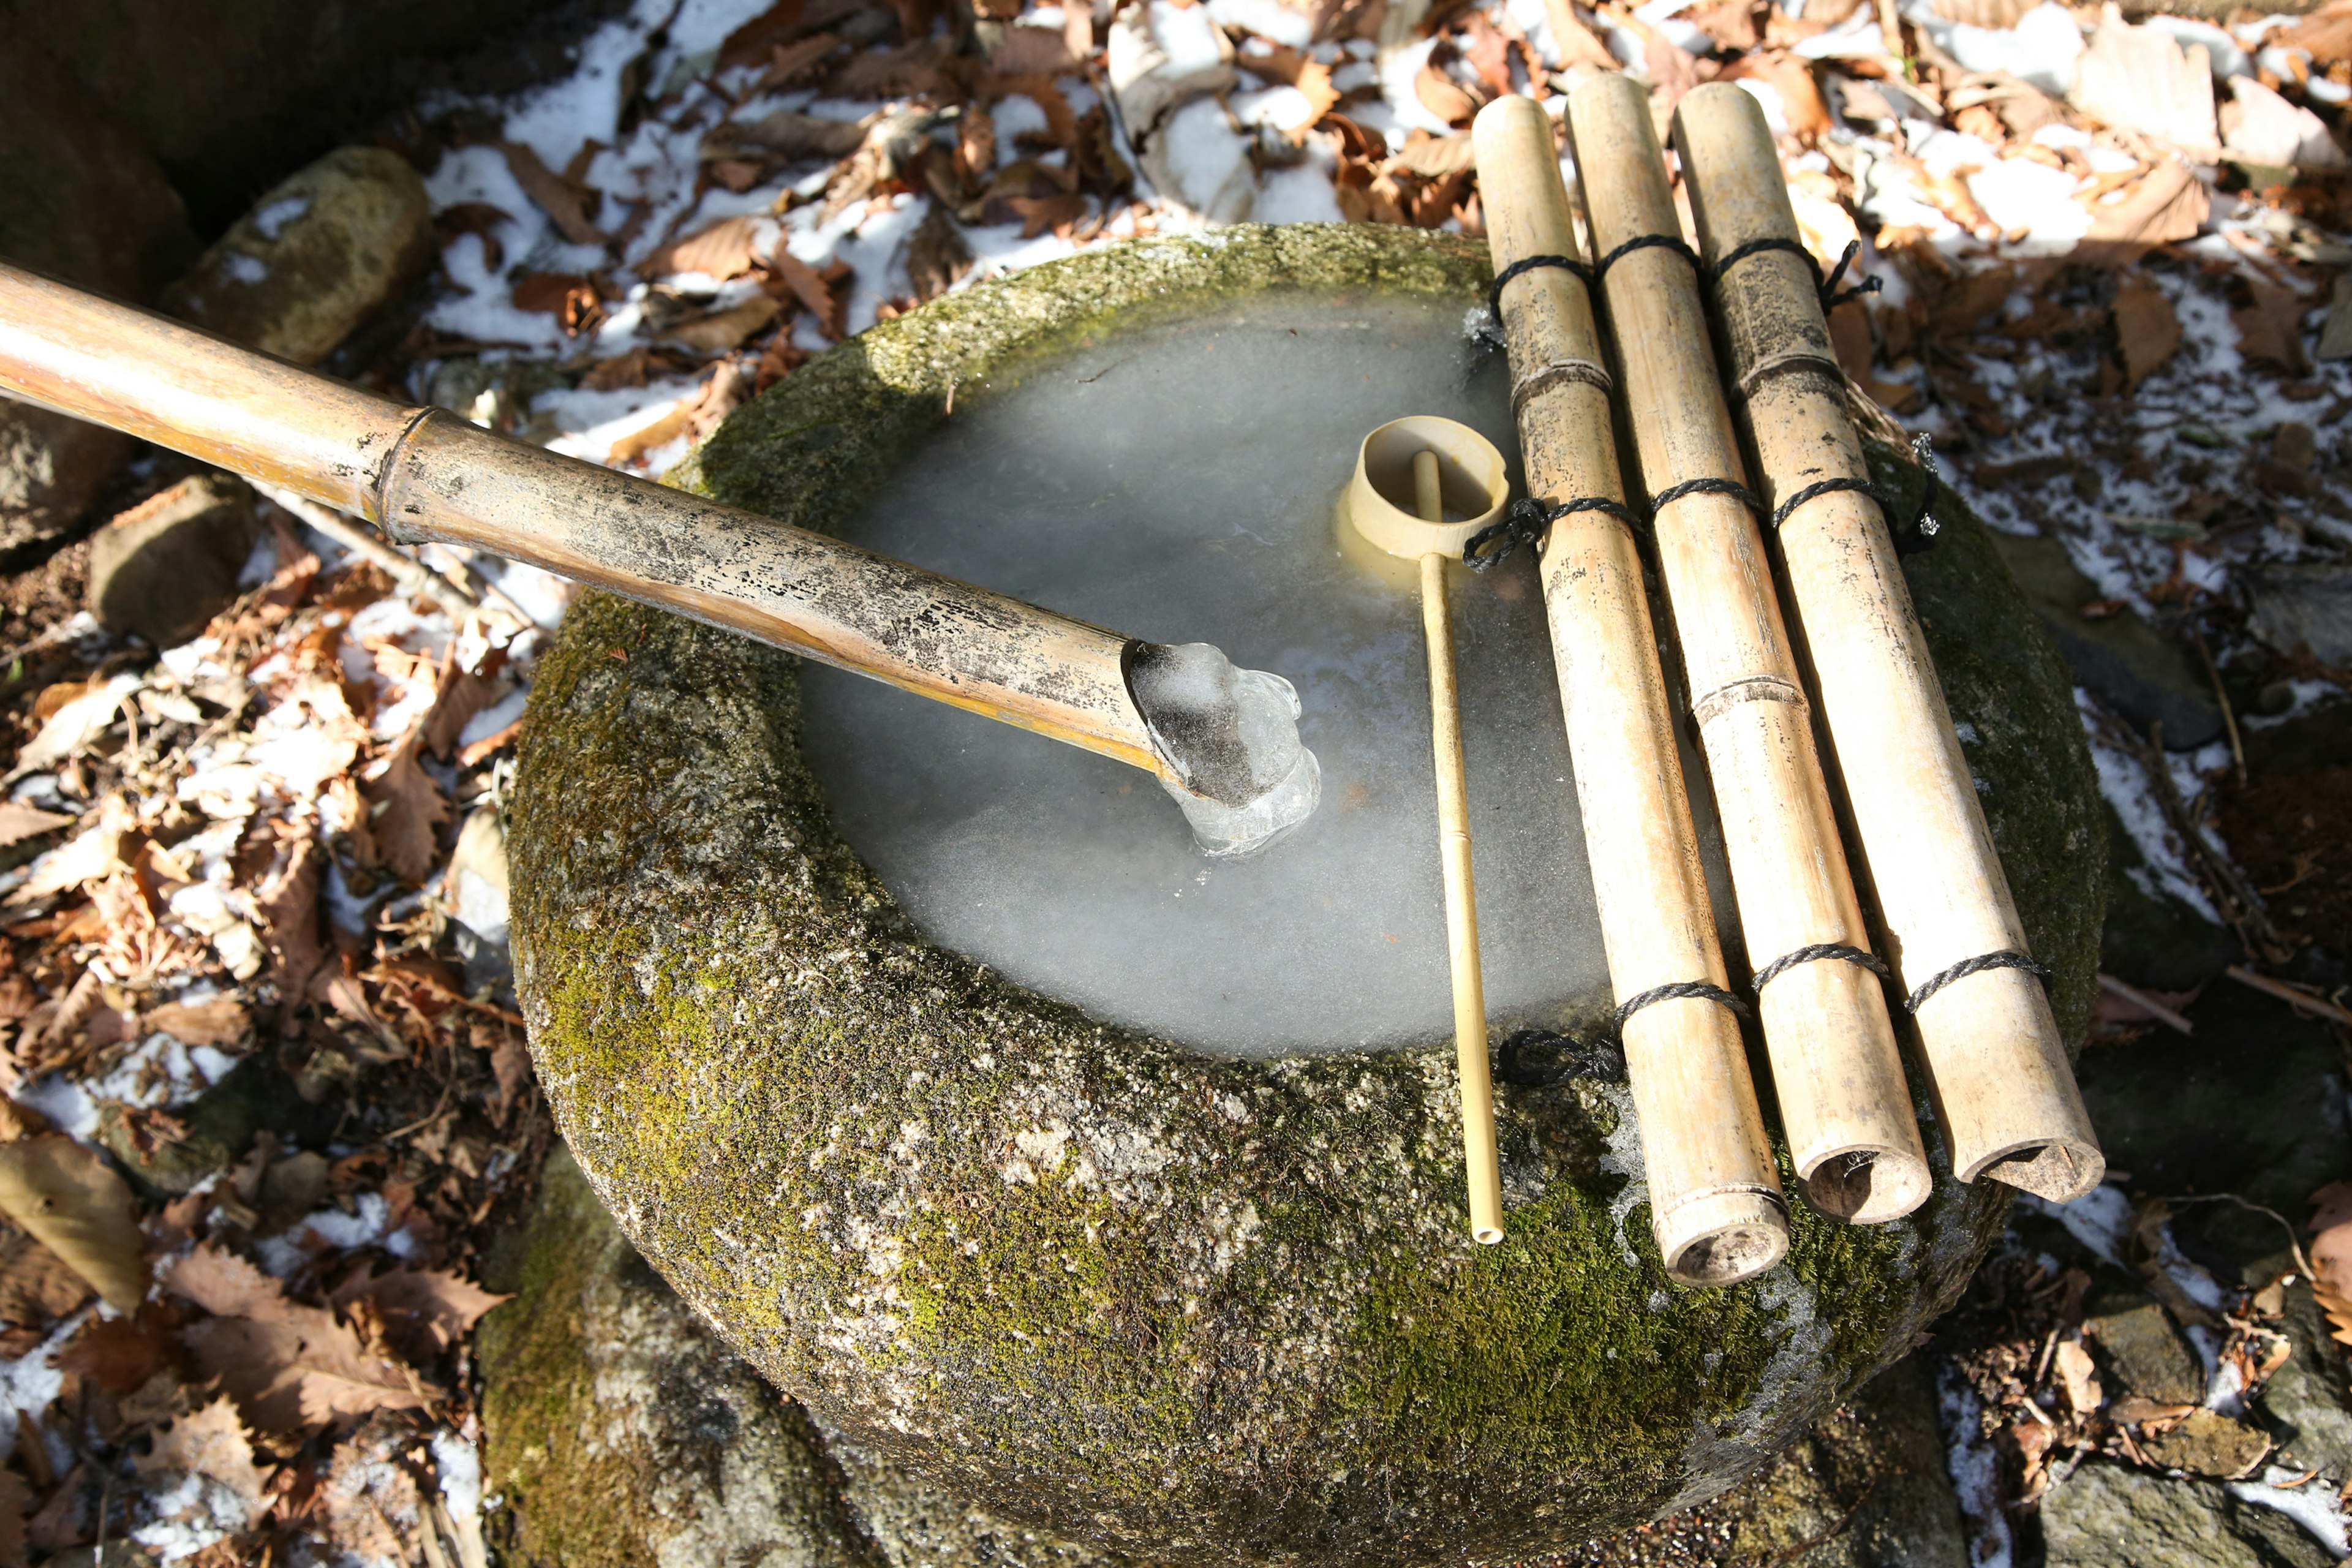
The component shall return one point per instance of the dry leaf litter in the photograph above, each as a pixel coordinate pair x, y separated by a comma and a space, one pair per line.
2115, 286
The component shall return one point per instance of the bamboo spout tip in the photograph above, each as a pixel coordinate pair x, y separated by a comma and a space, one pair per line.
2059, 1170
1722, 1237
1486, 1234
1868, 1186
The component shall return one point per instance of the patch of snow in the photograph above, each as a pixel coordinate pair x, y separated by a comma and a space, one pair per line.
2312, 1505
1976, 1471
272, 219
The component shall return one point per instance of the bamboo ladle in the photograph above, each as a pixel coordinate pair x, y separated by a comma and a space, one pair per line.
1432, 450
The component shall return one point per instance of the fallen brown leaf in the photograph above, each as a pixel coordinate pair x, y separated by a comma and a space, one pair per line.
2169, 202
18, 823
814, 290
290, 904
724, 330
750, 43
290, 1367
1444, 96
2144, 79
787, 63
222, 1021
938, 255
2078, 1376
1031, 51
695, 417
120, 1354
2270, 327
37, 1288
408, 805
479, 219
211, 1442
73, 1203
563, 203
2146, 330
1800, 97
725, 250
425, 1311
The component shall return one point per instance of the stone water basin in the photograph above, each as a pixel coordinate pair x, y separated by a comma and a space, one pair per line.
886, 1036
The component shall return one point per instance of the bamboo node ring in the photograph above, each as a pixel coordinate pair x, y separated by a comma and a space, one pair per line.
2008, 958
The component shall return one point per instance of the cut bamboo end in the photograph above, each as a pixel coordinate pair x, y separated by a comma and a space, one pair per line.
1721, 1238
1836, 1068
1716, 1207
1987, 1043
1433, 465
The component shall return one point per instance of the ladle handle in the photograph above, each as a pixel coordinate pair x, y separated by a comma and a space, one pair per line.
424, 473
1482, 1164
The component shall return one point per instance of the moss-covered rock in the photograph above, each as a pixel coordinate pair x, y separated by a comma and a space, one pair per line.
1188, 1307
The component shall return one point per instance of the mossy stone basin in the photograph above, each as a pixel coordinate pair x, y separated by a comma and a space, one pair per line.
1193, 1308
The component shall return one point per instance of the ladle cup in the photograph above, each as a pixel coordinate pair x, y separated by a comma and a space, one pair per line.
1432, 466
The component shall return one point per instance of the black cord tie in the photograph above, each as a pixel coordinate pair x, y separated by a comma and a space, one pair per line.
1919, 534
1814, 954
1602, 1056
1673, 242
1525, 522
1527, 264
2008, 958
1825, 289
1709, 487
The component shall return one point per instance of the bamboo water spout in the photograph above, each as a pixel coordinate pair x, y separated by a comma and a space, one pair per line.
1836, 1070
425, 474
1716, 1205
1987, 1038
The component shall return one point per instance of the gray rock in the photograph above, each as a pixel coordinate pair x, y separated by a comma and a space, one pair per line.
221, 1122
1868, 1488
51, 471
2150, 937
325, 250
171, 563
621, 1430
1239, 1319
2303, 607
2103, 1516
230, 94
2306, 1398
2253, 1103
2144, 1354
86, 203
2120, 658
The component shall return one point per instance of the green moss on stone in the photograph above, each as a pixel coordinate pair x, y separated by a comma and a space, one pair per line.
1197, 1309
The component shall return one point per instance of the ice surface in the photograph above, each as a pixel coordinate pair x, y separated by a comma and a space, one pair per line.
1247, 781
1180, 484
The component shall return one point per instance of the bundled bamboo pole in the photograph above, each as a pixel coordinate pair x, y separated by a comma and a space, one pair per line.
1844, 1104
1716, 1206
1987, 1038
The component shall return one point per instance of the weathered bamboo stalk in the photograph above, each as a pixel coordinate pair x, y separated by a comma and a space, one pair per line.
1843, 1101
1987, 1040
424, 473
1716, 1206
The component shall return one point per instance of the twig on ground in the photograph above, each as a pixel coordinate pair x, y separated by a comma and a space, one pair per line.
413, 576
2146, 1004
2292, 995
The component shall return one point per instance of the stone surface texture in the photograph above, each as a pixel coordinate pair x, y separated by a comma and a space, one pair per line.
323, 251
168, 565
2104, 1516
620, 1430
1193, 1309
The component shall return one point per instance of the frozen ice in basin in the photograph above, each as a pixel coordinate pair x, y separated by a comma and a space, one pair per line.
1180, 482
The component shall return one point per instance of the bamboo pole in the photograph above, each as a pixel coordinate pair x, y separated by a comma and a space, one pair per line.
1716, 1206
1988, 1041
1481, 1161
1844, 1104
424, 473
